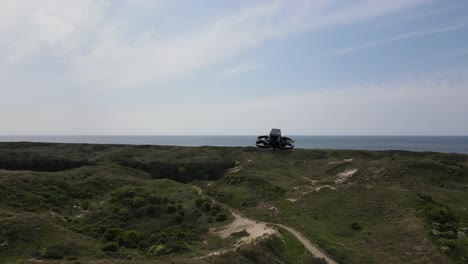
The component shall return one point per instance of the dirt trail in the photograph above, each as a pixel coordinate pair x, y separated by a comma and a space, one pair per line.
314, 250
344, 176
254, 229
251, 230
257, 229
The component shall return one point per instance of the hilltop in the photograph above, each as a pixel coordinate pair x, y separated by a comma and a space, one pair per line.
84, 203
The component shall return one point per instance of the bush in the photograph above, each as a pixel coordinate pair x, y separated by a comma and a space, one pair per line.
176, 247
199, 201
110, 247
153, 210
53, 252
177, 219
206, 206
441, 215
130, 238
242, 233
137, 202
356, 226
157, 250
85, 205
112, 233
124, 214
171, 209
221, 217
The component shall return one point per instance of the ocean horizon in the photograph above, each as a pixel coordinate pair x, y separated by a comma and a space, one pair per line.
456, 144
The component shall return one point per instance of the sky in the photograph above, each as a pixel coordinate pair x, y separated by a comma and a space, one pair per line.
194, 67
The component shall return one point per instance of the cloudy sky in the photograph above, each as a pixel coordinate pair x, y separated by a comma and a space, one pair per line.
193, 67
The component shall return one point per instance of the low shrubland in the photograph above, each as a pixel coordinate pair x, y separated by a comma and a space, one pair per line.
65, 202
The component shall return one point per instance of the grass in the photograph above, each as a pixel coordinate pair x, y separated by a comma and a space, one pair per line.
115, 202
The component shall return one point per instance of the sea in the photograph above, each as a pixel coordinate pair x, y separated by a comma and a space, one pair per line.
450, 144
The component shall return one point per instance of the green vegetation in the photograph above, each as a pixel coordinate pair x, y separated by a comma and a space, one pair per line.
141, 204
447, 230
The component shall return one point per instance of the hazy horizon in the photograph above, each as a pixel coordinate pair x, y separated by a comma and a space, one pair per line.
366, 67
221, 135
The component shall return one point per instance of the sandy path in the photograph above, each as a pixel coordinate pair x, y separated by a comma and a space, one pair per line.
254, 228
257, 229
314, 250
344, 176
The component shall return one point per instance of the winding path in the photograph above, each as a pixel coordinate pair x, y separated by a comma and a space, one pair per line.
313, 249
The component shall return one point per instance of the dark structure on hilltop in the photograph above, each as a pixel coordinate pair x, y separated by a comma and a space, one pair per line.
275, 140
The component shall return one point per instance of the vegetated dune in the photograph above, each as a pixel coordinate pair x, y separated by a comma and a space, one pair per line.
137, 204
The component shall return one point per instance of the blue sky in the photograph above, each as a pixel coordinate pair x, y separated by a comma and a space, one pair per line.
194, 67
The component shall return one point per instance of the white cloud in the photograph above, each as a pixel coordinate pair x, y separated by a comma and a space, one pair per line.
114, 53
102, 48
148, 58
242, 68
434, 105
408, 35
27, 27
400, 107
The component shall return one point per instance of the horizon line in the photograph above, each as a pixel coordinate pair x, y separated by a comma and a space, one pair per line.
229, 135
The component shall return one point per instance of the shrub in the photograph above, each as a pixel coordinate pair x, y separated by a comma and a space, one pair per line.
199, 201
85, 205
356, 226
130, 238
441, 215
124, 214
53, 252
177, 219
176, 247
110, 247
153, 210
171, 209
242, 233
206, 206
221, 217
112, 233
157, 250
137, 202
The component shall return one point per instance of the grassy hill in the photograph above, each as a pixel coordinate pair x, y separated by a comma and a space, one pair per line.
82, 203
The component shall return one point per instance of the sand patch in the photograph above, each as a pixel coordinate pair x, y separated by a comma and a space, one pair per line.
324, 187
314, 250
345, 175
315, 185
253, 230
235, 169
340, 161
268, 209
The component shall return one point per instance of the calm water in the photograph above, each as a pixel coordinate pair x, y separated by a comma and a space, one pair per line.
415, 143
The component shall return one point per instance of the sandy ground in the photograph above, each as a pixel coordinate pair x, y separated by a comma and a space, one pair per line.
235, 169
340, 161
341, 178
345, 175
257, 230
308, 245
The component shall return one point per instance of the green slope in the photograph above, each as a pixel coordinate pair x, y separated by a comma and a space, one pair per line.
121, 203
